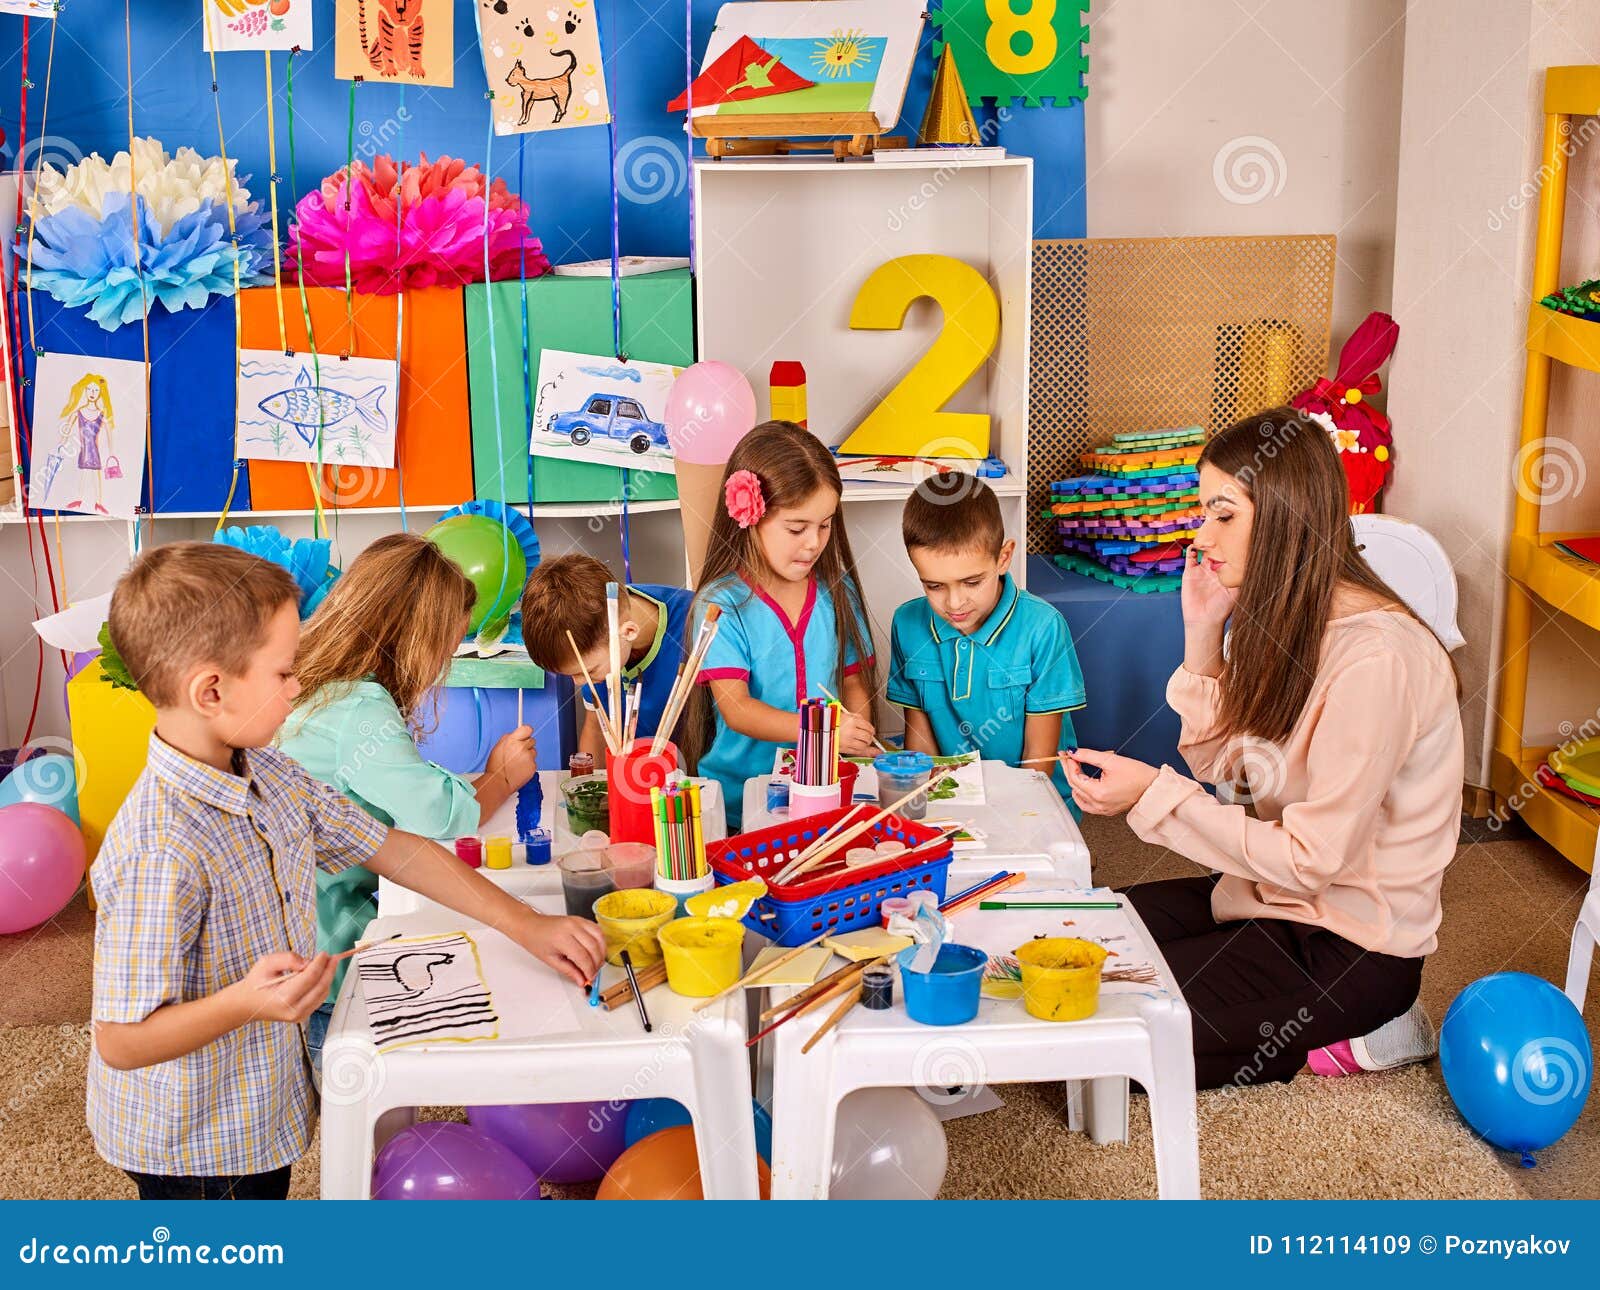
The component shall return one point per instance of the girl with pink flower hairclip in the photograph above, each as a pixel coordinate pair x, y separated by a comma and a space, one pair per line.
793, 623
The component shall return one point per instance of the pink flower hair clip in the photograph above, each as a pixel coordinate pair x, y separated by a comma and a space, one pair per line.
742, 496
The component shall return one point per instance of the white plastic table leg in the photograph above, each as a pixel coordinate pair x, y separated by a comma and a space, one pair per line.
1106, 1109
352, 1073
1581, 956
724, 1129
1174, 1118
805, 1108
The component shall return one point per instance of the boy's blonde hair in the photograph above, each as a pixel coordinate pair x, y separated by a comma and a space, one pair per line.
395, 615
186, 604
567, 594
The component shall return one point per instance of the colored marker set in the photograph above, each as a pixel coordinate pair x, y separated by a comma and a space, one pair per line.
817, 745
680, 841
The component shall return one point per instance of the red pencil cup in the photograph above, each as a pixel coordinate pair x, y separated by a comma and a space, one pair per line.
629, 777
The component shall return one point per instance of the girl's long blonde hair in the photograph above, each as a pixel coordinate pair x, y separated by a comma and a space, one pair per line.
80, 387
791, 464
396, 616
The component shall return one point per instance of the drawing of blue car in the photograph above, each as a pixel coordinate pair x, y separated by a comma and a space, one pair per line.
610, 416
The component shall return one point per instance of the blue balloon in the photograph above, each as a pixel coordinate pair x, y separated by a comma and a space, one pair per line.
1517, 1060
652, 1114
50, 779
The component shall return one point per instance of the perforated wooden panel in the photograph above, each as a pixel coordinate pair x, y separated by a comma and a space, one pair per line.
1151, 333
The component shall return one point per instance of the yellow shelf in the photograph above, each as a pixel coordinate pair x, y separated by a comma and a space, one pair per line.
1572, 91
1569, 340
1567, 584
1566, 824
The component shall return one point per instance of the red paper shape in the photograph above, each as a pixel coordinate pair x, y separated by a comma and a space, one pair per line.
745, 71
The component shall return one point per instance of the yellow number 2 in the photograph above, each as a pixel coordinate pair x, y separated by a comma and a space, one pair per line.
1005, 24
909, 422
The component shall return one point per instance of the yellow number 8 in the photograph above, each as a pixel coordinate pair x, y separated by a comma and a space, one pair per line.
1005, 23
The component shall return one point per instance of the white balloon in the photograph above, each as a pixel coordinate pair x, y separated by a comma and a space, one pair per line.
888, 1145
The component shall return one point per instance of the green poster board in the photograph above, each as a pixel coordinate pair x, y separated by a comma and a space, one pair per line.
1011, 49
571, 314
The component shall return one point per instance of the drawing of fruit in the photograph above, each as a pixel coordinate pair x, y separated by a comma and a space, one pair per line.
253, 23
945, 788
278, 8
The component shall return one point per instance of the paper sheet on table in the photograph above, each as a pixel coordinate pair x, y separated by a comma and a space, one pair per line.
803, 969
971, 837
956, 781
452, 987
868, 943
77, 628
1001, 931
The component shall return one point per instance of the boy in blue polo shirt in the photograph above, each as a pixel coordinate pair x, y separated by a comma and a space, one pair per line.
568, 594
978, 663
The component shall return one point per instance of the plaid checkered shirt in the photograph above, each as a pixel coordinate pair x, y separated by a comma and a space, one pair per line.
201, 874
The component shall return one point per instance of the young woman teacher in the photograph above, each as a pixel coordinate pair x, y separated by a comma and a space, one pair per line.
1337, 711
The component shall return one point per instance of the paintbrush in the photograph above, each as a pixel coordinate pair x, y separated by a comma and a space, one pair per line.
614, 646
638, 994
827, 694
850, 978
849, 1001
815, 854
684, 684
606, 732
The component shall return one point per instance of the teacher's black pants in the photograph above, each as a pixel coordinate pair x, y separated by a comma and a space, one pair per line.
1264, 992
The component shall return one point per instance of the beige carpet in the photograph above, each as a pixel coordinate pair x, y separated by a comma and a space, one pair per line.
1508, 905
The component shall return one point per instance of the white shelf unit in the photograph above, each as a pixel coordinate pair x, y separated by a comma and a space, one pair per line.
782, 247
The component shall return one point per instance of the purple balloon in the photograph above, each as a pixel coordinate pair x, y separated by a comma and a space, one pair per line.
447, 1161
562, 1142
709, 409
41, 864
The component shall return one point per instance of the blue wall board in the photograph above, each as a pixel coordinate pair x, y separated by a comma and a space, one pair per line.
564, 174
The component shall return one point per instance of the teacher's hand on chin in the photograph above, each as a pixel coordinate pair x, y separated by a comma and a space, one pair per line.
1121, 783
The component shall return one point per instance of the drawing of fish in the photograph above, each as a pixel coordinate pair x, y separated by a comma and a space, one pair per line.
309, 407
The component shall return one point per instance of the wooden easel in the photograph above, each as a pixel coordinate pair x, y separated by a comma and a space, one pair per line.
845, 134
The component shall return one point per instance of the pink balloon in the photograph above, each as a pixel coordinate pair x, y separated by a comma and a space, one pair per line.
711, 407
41, 864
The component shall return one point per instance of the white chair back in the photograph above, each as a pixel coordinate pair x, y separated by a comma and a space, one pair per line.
1411, 561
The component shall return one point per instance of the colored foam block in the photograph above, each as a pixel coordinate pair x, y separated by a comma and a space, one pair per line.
433, 451
111, 733
191, 393
572, 314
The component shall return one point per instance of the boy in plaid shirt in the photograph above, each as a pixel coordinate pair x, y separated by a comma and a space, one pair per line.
205, 963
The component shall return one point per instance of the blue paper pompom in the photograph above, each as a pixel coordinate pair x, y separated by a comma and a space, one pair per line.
306, 559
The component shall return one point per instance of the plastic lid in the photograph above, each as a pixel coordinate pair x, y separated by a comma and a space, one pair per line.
903, 763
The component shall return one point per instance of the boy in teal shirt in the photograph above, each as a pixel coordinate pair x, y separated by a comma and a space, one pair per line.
978, 663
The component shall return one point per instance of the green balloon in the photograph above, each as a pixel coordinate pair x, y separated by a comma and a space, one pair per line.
485, 550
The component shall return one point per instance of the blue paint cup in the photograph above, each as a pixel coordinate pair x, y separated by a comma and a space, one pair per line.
948, 995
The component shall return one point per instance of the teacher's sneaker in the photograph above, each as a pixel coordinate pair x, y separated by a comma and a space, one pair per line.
1408, 1038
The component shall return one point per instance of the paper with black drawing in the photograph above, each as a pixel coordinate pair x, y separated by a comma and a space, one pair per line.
426, 990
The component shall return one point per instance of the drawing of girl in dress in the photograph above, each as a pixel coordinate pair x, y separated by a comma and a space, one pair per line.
88, 417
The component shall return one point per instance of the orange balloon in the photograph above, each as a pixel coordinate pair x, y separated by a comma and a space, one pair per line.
665, 1166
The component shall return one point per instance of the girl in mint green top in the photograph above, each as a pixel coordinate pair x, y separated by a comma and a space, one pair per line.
367, 661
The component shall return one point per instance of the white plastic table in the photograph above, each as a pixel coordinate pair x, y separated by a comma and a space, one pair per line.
1029, 828
699, 1059
1143, 1033
522, 877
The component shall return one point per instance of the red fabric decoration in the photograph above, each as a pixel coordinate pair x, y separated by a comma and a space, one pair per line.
745, 72
1360, 432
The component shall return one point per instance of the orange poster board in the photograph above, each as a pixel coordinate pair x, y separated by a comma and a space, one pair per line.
433, 450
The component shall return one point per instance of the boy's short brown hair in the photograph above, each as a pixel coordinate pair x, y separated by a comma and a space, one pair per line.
189, 603
953, 511
567, 594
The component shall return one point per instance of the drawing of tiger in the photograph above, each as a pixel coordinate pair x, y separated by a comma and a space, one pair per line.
398, 41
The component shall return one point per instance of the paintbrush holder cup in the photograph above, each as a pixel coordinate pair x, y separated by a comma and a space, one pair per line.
630, 776
811, 799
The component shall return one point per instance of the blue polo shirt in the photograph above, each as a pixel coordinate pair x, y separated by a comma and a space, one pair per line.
652, 676
782, 662
978, 690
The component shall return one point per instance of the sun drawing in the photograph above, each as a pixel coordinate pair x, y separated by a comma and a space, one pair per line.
840, 54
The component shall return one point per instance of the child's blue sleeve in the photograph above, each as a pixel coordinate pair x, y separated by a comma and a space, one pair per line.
729, 657
900, 691
851, 656
1057, 683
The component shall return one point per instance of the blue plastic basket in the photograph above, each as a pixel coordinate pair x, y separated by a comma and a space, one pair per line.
839, 900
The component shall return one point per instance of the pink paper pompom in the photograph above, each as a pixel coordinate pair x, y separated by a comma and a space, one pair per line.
439, 241
743, 497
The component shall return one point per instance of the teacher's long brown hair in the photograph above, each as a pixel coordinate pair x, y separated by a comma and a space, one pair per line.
1301, 549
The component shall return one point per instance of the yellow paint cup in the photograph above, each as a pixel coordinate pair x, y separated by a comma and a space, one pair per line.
703, 955
630, 919
1061, 977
